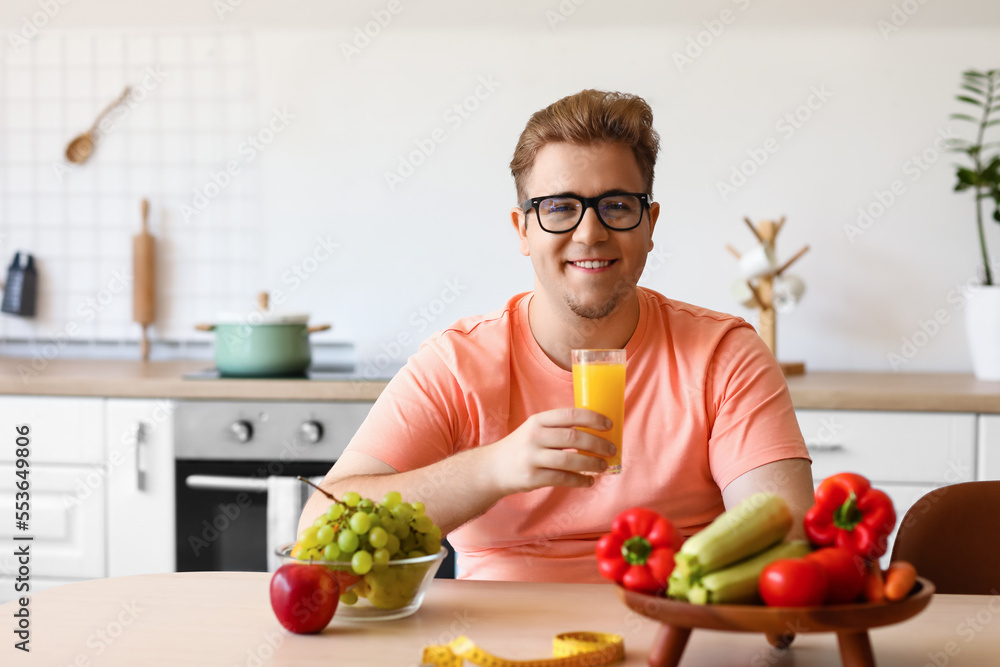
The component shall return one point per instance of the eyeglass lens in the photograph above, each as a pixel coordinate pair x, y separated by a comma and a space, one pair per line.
616, 211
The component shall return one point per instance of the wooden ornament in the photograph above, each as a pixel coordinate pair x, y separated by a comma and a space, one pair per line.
762, 286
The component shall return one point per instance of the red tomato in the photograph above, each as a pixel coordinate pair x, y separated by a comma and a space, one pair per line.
845, 573
793, 582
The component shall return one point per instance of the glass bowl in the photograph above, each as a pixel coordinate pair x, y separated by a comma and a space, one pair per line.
393, 591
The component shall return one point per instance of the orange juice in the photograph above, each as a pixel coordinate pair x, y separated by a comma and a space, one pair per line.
599, 385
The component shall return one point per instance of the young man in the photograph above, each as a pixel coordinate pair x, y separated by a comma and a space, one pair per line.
477, 425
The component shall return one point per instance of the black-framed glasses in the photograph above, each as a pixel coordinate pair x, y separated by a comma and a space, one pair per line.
559, 214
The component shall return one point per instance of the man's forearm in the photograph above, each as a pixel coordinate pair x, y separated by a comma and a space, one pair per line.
453, 490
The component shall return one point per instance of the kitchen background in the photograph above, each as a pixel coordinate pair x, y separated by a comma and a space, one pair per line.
352, 159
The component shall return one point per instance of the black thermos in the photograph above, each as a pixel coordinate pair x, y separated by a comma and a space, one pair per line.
21, 287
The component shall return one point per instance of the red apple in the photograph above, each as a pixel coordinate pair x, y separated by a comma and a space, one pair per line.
304, 597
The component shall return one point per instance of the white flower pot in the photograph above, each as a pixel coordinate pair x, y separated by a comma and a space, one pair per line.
982, 326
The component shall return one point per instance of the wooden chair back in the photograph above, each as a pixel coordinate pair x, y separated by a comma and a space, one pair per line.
952, 536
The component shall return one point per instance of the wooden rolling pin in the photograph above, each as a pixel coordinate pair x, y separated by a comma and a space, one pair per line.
144, 274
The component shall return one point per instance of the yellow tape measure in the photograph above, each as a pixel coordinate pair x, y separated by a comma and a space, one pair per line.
570, 649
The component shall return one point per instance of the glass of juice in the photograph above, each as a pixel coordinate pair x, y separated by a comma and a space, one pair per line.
599, 385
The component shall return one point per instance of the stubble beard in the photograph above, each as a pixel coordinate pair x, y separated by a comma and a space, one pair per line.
601, 310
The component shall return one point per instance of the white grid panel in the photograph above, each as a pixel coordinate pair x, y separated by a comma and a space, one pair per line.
193, 103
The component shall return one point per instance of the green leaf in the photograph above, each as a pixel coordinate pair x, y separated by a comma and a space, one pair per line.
963, 98
996, 215
973, 89
962, 116
974, 74
993, 122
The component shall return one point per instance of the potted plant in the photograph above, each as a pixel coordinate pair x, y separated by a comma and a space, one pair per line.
982, 90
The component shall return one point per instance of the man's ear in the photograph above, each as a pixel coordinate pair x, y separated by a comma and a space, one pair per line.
518, 219
654, 213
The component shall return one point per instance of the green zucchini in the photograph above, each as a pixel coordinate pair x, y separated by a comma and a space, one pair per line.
737, 584
760, 521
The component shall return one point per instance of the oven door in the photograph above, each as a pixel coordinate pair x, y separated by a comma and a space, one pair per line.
222, 513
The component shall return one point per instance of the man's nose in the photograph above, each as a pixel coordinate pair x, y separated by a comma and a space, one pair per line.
590, 230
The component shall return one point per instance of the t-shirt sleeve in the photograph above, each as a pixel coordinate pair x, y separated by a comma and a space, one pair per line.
750, 409
419, 417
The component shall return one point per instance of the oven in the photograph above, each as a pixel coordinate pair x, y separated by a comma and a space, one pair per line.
235, 464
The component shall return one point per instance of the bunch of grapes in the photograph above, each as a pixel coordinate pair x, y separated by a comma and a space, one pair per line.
367, 536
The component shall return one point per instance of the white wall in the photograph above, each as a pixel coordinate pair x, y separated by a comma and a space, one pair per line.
447, 224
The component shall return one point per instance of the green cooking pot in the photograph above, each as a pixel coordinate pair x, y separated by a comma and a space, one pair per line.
267, 349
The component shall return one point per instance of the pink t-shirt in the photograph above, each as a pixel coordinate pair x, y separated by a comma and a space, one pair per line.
705, 402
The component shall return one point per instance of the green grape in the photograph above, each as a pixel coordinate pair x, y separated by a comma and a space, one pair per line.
381, 557
422, 523
431, 544
320, 521
331, 552
409, 544
347, 541
311, 554
436, 531
326, 534
360, 523
308, 538
418, 507
366, 505
402, 531
350, 597
334, 512
415, 553
392, 545
378, 538
376, 521
361, 562
403, 512
351, 499
391, 499
390, 525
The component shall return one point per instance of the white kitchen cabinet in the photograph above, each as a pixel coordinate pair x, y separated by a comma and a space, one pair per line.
66, 492
64, 430
988, 463
141, 520
905, 454
891, 447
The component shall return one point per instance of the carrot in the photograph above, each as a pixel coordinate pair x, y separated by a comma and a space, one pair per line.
899, 580
874, 584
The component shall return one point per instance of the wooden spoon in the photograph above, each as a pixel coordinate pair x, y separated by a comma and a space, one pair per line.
79, 149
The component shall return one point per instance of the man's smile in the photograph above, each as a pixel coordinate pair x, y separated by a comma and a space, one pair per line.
592, 265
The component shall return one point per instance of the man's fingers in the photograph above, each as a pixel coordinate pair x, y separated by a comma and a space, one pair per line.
565, 479
569, 461
564, 417
572, 438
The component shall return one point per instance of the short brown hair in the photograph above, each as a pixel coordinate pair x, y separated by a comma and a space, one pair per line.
588, 117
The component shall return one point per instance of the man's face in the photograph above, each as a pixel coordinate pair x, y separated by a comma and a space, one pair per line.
585, 171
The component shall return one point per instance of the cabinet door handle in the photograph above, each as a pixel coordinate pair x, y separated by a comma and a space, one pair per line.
825, 447
141, 434
224, 483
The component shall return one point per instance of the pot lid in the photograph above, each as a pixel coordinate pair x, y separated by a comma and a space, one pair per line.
258, 317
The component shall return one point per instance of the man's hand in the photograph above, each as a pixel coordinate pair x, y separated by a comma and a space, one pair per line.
540, 452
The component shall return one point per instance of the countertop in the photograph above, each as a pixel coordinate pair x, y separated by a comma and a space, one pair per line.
164, 379
216, 618
922, 392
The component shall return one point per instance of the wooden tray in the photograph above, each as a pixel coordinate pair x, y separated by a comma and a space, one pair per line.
850, 621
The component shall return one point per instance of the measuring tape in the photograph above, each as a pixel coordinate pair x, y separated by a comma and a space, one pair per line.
570, 649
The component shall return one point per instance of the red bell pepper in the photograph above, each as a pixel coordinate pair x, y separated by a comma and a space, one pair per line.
638, 553
849, 513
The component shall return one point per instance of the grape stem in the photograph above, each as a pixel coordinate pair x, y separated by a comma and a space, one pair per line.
323, 491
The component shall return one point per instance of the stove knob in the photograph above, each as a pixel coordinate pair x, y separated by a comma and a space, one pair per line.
312, 431
242, 429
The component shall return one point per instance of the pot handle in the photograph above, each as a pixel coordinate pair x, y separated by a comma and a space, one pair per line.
318, 327
205, 327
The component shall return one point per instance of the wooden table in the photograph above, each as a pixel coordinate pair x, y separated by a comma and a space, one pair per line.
225, 620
